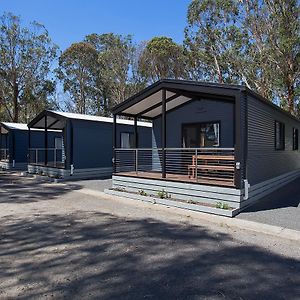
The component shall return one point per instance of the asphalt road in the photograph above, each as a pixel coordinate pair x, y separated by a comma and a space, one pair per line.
280, 208
57, 243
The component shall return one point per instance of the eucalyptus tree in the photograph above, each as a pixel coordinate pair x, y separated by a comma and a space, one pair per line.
26, 54
162, 58
78, 72
117, 74
210, 38
249, 41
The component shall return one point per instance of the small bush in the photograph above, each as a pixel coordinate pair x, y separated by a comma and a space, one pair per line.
143, 193
191, 202
222, 205
163, 194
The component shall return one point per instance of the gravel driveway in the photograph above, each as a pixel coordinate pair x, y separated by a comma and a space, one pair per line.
58, 243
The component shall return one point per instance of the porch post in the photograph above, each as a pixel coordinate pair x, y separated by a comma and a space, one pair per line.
114, 142
238, 149
46, 142
29, 144
163, 132
135, 133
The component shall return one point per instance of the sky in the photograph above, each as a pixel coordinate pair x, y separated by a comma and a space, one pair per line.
68, 21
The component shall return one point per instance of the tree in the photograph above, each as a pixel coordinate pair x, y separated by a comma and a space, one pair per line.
210, 38
162, 58
26, 54
249, 41
117, 78
78, 71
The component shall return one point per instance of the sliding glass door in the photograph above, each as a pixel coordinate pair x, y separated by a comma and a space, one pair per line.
198, 135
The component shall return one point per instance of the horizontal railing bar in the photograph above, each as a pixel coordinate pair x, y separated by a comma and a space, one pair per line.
181, 149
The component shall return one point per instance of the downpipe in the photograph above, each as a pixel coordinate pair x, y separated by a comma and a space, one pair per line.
246, 189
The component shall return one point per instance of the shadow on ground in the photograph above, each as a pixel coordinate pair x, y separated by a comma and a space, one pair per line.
287, 196
17, 189
98, 256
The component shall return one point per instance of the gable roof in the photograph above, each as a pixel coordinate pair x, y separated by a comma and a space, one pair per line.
18, 126
55, 120
147, 103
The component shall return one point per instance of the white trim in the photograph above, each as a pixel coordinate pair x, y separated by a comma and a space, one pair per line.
99, 119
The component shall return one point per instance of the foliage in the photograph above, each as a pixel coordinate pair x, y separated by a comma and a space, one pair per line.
26, 54
222, 205
162, 58
163, 194
78, 71
143, 193
250, 41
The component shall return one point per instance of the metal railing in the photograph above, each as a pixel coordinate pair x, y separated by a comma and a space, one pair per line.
4, 154
55, 157
202, 165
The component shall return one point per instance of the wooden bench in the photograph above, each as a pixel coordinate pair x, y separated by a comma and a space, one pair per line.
204, 166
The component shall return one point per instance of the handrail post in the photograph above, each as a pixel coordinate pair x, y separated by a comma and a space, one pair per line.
196, 167
163, 132
136, 160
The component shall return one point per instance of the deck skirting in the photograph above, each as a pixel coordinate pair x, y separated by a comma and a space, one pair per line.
66, 173
210, 195
9, 166
201, 194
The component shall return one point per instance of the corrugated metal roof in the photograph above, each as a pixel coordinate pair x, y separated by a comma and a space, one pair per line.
19, 126
98, 118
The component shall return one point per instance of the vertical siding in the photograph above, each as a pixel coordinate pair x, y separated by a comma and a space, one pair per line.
264, 162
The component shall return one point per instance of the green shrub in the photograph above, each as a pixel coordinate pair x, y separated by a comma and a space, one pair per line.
163, 194
143, 193
222, 205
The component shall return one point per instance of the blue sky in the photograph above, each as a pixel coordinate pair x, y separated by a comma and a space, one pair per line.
69, 21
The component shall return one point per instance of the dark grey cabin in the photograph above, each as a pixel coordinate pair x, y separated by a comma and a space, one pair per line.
14, 144
211, 144
86, 148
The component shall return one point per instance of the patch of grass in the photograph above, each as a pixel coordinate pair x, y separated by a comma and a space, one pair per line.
222, 205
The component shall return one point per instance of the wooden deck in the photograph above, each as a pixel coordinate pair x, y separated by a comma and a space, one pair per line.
179, 177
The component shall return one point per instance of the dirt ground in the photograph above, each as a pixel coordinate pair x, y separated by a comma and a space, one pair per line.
59, 243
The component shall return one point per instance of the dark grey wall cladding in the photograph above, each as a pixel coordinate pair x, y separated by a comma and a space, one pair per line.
194, 112
264, 162
93, 142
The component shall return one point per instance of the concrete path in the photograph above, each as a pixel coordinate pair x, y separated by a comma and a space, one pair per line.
59, 243
280, 208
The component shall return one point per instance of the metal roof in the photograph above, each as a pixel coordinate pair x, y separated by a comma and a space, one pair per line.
56, 120
18, 126
147, 103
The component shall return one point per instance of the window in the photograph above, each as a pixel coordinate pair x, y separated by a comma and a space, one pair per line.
58, 143
295, 139
127, 140
279, 136
201, 135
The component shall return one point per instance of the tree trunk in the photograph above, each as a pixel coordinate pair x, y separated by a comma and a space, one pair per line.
15, 102
290, 99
